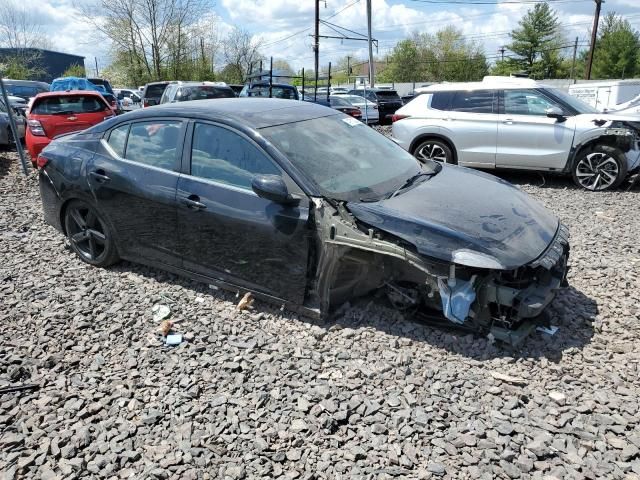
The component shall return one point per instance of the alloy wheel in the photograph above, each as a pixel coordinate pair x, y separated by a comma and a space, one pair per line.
597, 171
87, 233
431, 151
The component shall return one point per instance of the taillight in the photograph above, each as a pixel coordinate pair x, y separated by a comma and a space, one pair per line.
35, 127
395, 117
41, 161
145, 103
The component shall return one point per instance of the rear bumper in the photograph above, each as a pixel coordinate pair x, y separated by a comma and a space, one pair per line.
35, 145
51, 201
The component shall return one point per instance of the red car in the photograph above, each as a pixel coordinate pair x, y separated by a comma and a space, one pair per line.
54, 113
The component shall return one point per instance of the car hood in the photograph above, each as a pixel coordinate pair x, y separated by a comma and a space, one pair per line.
466, 217
610, 117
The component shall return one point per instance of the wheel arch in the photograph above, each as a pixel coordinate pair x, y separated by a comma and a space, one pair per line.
436, 136
587, 145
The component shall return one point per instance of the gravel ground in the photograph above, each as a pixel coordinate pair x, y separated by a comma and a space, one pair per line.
266, 393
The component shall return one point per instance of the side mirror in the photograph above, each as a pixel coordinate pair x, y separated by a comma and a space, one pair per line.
555, 112
272, 187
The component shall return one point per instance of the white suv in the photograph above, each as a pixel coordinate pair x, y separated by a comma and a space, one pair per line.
515, 123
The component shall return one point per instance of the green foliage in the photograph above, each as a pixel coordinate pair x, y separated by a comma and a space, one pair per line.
445, 56
617, 47
74, 71
21, 67
537, 43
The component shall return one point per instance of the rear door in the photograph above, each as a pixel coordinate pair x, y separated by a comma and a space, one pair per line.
225, 230
471, 122
133, 177
527, 138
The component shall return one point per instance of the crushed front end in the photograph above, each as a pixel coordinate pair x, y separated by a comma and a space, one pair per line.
354, 259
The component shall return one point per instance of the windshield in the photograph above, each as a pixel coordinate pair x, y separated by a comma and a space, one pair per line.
344, 158
156, 90
575, 103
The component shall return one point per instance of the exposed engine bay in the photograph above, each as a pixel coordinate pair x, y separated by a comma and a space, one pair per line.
354, 259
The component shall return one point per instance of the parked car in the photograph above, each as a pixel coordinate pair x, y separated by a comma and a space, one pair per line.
6, 134
344, 106
278, 90
152, 93
63, 84
368, 108
103, 82
185, 91
25, 89
129, 98
521, 124
305, 207
388, 101
57, 113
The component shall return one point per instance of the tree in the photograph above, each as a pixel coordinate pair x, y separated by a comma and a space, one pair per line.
445, 56
241, 54
616, 54
21, 27
74, 71
537, 43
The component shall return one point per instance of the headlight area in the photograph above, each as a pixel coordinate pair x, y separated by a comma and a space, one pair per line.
354, 260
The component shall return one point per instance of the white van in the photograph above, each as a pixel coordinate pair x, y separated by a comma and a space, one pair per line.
606, 95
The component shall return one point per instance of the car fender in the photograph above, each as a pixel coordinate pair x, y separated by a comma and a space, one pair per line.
612, 133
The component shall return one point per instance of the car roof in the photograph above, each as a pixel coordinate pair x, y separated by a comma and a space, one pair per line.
266, 84
69, 92
252, 112
488, 83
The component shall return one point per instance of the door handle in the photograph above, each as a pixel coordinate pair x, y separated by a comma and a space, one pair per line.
99, 176
193, 202
508, 121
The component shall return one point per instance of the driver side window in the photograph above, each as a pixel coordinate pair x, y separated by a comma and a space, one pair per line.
224, 156
527, 102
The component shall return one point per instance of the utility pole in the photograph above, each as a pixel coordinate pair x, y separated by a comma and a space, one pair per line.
502, 50
594, 33
316, 46
97, 72
371, 72
573, 62
348, 69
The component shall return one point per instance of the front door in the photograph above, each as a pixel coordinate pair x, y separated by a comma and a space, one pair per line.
527, 138
133, 177
226, 231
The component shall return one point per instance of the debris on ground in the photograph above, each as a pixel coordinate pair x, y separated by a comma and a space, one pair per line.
172, 340
245, 302
160, 312
508, 378
165, 327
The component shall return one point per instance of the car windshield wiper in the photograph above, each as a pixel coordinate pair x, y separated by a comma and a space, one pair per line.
410, 181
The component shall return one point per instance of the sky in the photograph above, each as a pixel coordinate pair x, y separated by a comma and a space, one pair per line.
283, 27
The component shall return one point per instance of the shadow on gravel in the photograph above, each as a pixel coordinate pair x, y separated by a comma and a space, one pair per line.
549, 180
6, 158
572, 311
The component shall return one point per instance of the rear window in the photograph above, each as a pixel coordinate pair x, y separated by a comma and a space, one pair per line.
388, 94
22, 91
155, 91
276, 92
474, 101
65, 104
203, 92
441, 100
339, 102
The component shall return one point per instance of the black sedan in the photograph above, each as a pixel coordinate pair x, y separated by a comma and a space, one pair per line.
303, 206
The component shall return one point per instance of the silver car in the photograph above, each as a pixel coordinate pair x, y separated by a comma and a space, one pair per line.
516, 123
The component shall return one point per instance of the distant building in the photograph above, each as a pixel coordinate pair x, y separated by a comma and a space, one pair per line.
49, 64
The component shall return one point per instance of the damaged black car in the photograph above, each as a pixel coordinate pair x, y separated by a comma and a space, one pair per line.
305, 207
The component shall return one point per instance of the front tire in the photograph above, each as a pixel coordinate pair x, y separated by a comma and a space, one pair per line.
432, 149
90, 237
599, 168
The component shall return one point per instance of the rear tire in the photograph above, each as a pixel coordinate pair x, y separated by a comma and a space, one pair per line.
434, 149
90, 237
599, 168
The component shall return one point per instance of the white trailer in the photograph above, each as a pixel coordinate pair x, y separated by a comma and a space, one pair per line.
607, 94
